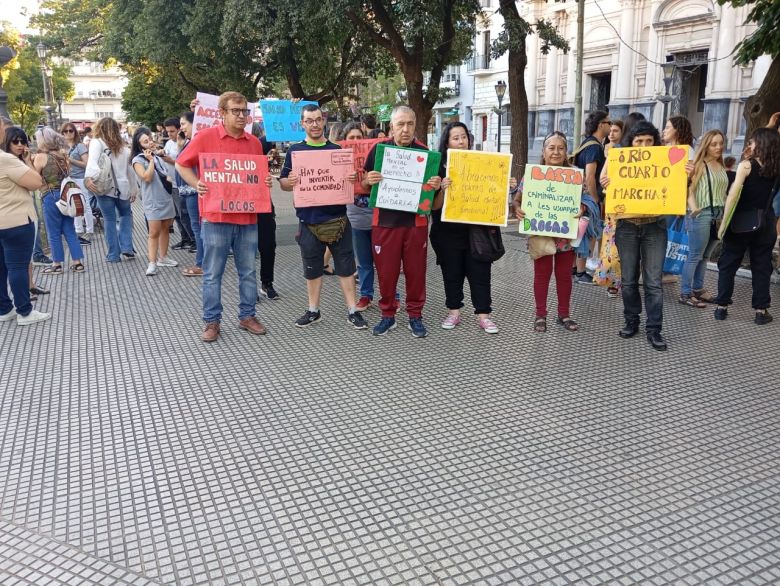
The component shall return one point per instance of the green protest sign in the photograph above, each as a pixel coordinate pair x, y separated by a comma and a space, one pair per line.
383, 112
404, 175
551, 200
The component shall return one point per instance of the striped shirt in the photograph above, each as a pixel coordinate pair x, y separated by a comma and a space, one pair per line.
719, 182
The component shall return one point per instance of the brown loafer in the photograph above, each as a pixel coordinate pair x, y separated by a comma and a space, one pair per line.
252, 325
210, 332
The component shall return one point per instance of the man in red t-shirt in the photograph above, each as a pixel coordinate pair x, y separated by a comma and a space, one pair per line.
399, 236
220, 232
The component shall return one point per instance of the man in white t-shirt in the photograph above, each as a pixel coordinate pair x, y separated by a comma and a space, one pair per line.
169, 153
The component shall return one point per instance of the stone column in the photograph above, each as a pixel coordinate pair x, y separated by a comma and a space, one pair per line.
724, 72
626, 57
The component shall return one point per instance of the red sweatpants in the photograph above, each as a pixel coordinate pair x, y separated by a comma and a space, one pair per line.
390, 247
543, 269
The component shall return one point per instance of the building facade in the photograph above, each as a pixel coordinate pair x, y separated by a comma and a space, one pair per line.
97, 93
625, 43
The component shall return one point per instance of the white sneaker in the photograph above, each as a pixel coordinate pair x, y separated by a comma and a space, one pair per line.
31, 318
151, 269
8, 316
164, 261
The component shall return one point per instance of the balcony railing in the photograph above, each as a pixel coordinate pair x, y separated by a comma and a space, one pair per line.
478, 62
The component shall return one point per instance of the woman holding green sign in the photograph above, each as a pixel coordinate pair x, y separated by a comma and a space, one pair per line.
559, 256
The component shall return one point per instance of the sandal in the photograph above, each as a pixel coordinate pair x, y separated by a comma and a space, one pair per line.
33, 297
328, 271
36, 290
52, 270
192, 272
77, 268
568, 323
703, 296
691, 301
540, 324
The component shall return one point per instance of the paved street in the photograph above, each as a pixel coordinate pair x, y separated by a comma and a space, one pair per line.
132, 453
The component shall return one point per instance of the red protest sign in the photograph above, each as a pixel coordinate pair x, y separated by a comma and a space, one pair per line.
236, 184
360, 150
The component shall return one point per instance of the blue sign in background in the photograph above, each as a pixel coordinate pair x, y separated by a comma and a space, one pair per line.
282, 120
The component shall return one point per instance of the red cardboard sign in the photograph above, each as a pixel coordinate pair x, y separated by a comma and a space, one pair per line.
360, 150
236, 183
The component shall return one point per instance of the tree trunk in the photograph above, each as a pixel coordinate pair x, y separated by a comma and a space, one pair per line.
518, 98
766, 101
417, 102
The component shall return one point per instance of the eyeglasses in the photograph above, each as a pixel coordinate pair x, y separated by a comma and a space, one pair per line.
68, 131
19, 141
313, 121
239, 112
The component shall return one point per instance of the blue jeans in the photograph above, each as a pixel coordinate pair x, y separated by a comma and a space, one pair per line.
110, 207
700, 248
645, 243
37, 248
361, 244
218, 240
16, 246
191, 203
58, 226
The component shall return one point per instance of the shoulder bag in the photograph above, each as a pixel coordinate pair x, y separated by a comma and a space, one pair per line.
752, 220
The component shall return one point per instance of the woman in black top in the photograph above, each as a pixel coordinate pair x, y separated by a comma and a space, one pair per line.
758, 178
450, 241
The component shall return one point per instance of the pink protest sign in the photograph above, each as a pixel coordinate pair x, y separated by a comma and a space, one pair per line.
207, 113
360, 148
323, 177
236, 184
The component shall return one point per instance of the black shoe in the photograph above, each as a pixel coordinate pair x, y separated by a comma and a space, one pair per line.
656, 341
721, 313
629, 331
85, 241
129, 255
308, 318
763, 317
357, 321
192, 248
179, 246
269, 292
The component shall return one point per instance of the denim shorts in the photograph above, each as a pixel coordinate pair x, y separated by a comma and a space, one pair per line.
313, 253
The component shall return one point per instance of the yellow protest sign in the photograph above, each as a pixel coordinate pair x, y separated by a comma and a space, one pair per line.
479, 190
647, 181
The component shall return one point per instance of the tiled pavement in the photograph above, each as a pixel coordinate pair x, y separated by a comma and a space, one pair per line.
131, 453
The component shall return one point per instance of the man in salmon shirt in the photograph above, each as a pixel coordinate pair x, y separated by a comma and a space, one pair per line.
222, 233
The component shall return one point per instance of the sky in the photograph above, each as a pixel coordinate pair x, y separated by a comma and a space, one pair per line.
20, 13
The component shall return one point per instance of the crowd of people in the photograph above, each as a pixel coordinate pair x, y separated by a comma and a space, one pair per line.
112, 169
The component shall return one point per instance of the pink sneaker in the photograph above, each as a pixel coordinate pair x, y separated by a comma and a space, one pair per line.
450, 321
487, 324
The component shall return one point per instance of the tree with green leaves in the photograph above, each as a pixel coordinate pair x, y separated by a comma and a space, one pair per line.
24, 85
512, 40
765, 40
421, 36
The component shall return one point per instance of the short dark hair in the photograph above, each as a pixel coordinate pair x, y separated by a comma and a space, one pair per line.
643, 128
369, 120
593, 120
188, 115
171, 122
310, 108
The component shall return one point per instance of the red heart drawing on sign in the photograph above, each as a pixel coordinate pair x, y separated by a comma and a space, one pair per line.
425, 205
420, 159
427, 187
676, 155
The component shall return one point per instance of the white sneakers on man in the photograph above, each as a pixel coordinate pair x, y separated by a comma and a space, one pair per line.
31, 318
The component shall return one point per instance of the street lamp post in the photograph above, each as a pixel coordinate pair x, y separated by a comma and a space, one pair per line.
500, 91
59, 109
668, 68
40, 49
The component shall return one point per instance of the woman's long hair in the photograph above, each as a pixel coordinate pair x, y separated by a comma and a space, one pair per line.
136, 148
631, 120
766, 149
13, 133
701, 153
107, 130
76, 136
444, 141
682, 127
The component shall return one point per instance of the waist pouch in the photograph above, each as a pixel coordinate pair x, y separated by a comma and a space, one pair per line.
330, 231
